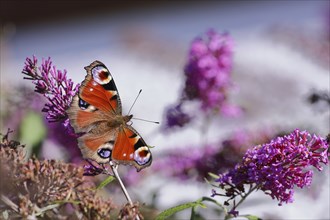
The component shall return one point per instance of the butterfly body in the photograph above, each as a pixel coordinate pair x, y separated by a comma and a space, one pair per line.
96, 114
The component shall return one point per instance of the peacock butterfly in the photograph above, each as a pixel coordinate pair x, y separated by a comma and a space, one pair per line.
96, 114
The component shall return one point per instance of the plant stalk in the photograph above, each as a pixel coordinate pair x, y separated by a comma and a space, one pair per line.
114, 169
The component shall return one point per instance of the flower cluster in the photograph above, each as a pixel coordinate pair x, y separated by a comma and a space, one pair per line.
215, 158
130, 212
207, 78
54, 85
50, 189
208, 70
276, 167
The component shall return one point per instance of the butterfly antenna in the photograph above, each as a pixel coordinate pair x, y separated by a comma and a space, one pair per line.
140, 119
134, 101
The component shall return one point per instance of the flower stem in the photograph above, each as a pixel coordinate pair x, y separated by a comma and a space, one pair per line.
244, 197
114, 169
115, 172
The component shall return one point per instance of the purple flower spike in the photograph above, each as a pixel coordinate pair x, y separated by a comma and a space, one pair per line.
54, 85
277, 167
208, 70
207, 80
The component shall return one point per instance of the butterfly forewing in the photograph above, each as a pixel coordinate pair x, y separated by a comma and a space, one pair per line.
99, 89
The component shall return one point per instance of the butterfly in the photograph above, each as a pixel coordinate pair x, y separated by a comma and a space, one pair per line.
96, 114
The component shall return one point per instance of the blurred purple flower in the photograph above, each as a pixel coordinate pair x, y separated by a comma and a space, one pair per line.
207, 79
67, 140
327, 20
176, 117
16, 108
195, 162
276, 167
52, 84
208, 70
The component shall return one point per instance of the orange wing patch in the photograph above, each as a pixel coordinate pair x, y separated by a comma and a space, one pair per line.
84, 119
96, 95
123, 149
90, 145
93, 143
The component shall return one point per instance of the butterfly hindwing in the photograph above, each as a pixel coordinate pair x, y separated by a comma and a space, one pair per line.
130, 148
97, 147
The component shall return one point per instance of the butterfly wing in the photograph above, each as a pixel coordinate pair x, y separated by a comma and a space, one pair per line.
99, 89
129, 148
96, 103
96, 114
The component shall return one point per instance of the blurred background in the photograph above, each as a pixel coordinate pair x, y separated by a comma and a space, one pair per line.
281, 59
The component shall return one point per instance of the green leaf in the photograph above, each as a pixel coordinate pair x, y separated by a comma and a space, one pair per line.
195, 215
105, 182
213, 175
199, 203
213, 201
171, 211
251, 217
32, 131
208, 199
212, 184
